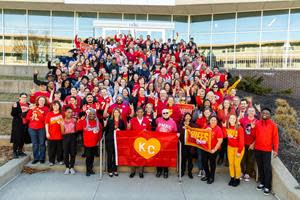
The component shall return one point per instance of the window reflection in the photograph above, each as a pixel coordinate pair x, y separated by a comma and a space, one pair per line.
110, 16
85, 24
200, 24
272, 54
295, 19
275, 20
181, 27
294, 50
223, 23
248, 21
1, 38
15, 36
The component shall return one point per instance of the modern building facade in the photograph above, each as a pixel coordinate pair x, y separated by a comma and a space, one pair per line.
251, 34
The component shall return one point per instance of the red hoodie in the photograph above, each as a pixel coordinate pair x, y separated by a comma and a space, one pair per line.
91, 132
235, 137
266, 136
37, 122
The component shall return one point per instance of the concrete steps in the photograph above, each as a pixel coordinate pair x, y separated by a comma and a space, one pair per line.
16, 86
5, 109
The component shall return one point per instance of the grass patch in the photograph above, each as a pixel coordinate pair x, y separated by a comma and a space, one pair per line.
10, 97
2, 77
5, 126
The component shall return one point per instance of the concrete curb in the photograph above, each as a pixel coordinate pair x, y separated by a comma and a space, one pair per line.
11, 169
284, 184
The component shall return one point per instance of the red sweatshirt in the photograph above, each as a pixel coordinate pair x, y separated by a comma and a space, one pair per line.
39, 93
235, 137
91, 132
266, 136
202, 122
36, 117
175, 113
135, 125
249, 135
53, 120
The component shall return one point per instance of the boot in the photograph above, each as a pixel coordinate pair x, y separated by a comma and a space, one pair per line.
231, 181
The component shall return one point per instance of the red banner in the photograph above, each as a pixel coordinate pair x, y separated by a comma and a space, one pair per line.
197, 137
186, 108
146, 148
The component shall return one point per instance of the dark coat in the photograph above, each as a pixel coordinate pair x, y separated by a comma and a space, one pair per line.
19, 132
110, 128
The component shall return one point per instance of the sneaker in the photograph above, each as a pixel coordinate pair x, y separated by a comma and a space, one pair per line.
34, 162
190, 175
115, 173
260, 187
72, 171
110, 174
16, 155
67, 171
201, 173
22, 154
247, 178
267, 191
42, 161
51, 164
61, 162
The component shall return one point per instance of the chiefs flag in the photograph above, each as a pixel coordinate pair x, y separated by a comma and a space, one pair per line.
186, 108
146, 148
197, 137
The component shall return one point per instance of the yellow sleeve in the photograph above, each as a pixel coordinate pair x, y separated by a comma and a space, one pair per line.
233, 86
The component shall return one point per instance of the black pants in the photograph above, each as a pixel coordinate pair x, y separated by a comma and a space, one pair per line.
55, 150
209, 164
69, 147
18, 147
248, 161
162, 169
187, 157
90, 155
263, 160
111, 157
223, 150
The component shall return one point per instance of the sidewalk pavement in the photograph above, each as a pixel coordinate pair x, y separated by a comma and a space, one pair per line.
55, 185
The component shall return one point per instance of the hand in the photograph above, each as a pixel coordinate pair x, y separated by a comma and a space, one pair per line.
224, 124
83, 117
155, 114
48, 135
251, 147
36, 72
213, 151
15, 105
253, 124
208, 129
258, 107
275, 154
238, 154
32, 91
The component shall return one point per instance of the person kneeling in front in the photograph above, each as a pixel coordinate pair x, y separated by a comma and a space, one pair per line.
92, 132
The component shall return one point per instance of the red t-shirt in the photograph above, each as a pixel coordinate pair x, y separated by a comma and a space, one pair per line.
216, 134
246, 124
235, 137
124, 108
53, 120
91, 132
36, 117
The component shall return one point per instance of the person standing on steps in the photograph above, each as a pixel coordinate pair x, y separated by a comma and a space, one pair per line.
54, 128
138, 123
19, 132
266, 140
209, 158
92, 133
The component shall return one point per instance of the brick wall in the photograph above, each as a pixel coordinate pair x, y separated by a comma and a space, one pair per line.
275, 79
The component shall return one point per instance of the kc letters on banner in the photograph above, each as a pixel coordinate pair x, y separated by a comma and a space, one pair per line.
197, 137
146, 148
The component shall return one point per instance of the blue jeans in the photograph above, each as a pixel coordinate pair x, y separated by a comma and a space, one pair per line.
38, 137
199, 160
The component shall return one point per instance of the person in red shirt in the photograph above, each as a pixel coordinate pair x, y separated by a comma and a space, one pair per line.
266, 141
210, 157
138, 123
174, 110
69, 140
54, 128
92, 133
248, 158
235, 135
36, 128
42, 92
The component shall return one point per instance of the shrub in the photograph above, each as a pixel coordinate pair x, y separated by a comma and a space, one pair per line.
253, 84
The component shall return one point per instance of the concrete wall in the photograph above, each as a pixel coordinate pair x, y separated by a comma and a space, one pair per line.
275, 79
22, 70
16, 86
284, 184
5, 109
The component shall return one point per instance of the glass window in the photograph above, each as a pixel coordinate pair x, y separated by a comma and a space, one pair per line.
110, 16
223, 50
1, 38
15, 36
62, 32
275, 20
294, 50
38, 20
128, 17
85, 24
295, 19
39, 36
274, 36
248, 21
141, 17
272, 54
200, 24
247, 55
223, 23
161, 18
181, 27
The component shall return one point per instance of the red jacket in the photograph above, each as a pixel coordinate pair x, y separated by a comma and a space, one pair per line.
235, 137
53, 121
266, 136
91, 133
135, 125
37, 122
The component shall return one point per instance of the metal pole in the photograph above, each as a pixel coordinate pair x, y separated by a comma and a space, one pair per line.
180, 179
101, 160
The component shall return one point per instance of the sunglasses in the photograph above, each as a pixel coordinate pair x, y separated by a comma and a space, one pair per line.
165, 113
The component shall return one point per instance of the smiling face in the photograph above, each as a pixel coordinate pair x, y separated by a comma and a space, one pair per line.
232, 120
265, 114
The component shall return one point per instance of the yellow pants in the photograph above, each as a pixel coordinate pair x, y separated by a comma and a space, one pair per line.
234, 162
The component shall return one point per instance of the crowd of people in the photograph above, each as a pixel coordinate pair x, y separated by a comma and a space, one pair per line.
127, 83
